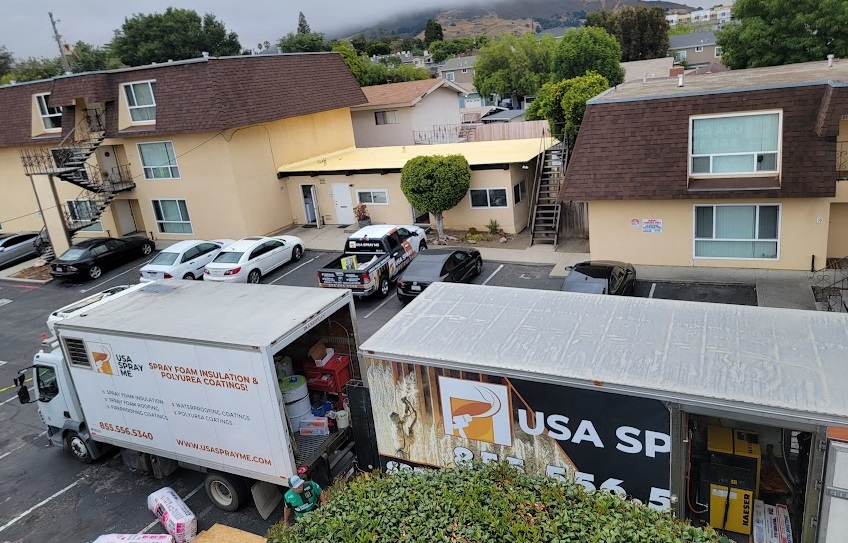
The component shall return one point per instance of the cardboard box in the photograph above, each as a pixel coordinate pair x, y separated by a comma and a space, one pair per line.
759, 531
318, 351
314, 422
785, 524
311, 431
323, 362
349, 263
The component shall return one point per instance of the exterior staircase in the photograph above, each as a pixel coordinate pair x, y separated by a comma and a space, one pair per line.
547, 211
67, 161
831, 286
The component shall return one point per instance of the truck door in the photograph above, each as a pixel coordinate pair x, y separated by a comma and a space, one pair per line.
51, 390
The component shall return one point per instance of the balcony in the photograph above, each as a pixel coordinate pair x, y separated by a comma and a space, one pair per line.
842, 160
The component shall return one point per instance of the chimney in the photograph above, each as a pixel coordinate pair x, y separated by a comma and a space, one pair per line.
205, 54
644, 78
830, 60
677, 70
680, 80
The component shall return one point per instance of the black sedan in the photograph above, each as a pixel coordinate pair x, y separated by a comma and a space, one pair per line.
90, 257
601, 277
431, 266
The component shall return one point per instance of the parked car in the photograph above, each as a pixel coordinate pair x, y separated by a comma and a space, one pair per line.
183, 260
446, 265
601, 277
90, 257
248, 259
17, 247
89, 302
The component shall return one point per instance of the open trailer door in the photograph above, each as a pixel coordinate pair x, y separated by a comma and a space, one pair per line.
834, 508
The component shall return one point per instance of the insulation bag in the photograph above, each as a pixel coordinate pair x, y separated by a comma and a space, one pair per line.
135, 538
174, 514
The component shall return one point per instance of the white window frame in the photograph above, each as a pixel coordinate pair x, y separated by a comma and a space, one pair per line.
756, 231
169, 166
44, 112
159, 222
388, 116
449, 76
693, 118
465, 70
489, 198
97, 226
718, 51
699, 48
680, 56
521, 192
372, 191
130, 108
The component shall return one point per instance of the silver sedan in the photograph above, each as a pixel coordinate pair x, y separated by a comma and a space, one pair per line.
17, 247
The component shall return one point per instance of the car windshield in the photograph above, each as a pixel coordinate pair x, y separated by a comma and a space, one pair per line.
227, 257
73, 254
165, 259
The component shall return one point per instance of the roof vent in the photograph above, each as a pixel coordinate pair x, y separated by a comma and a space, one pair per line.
77, 354
205, 54
644, 78
680, 80
830, 60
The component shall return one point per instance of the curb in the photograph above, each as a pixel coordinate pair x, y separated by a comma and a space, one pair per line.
30, 281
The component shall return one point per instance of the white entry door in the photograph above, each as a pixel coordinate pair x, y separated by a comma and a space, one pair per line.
126, 220
344, 203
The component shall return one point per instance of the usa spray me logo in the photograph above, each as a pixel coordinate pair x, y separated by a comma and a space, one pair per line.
476, 411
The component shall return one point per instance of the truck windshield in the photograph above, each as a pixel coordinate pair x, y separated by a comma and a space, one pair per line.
48, 388
364, 246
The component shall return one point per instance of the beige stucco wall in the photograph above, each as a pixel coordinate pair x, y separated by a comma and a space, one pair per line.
437, 108
837, 241
369, 134
612, 237
18, 206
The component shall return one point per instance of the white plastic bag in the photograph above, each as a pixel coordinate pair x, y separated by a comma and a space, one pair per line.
135, 538
174, 514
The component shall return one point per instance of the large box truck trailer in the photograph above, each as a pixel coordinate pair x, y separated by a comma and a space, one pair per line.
706, 410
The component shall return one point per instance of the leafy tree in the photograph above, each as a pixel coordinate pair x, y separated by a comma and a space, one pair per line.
7, 60
176, 34
357, 65
588, 49
776, 32
303, 40
406, 72
433, 32
443, 50
483, 502
90, 58
368, 73
435, 184
563, 104
514, 66
302, 25
641, 32
359, 43
392, 61
378, 48
32, 69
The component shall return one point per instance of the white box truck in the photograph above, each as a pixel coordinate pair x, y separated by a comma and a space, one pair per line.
184, 373
691, 407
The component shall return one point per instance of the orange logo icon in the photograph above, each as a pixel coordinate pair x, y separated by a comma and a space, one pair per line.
477, 411
102, 358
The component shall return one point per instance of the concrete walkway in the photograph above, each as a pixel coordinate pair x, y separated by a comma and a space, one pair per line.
775, 288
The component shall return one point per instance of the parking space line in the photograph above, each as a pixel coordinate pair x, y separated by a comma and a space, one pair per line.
2, 456
3, 362
13, 398
10, 387
36, 506
493, 274
4, 301
387, 300
114, 276
155, 522
292, 271
653, 288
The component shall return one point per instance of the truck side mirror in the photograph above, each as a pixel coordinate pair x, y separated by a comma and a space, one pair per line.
23, 391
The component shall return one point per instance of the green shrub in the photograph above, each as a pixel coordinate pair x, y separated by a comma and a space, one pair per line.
491, 502
493, 227
475, 237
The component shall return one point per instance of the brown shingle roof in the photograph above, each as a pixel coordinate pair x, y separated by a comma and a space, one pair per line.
403, 94
198, 95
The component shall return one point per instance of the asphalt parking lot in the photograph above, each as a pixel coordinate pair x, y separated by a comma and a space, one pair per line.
698, 292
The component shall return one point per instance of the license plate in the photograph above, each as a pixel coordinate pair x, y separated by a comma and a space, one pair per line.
416, 288
217, 272
60, 268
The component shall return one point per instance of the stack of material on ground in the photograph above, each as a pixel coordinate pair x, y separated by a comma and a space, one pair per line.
224, 534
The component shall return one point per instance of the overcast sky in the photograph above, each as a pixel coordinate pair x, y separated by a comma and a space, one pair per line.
25, 28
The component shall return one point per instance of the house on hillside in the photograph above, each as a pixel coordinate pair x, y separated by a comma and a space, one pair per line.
407, 113
185, 149
741, 169
695, 49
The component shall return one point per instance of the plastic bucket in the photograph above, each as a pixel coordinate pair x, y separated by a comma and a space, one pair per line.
284, 366
342, 419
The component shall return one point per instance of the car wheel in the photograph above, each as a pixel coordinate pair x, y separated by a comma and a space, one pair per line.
383, 291
188, 277
78, 447
254, 276
423, 245
147, 248
478, 268
227, 492
94, 272
297, 253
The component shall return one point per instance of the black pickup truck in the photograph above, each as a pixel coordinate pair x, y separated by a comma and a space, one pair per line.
373, 257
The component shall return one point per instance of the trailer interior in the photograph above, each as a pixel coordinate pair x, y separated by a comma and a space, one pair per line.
731, 464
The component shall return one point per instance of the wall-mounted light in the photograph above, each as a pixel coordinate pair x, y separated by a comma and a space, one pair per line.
525, 167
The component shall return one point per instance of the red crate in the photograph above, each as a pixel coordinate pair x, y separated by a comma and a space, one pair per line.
337, 370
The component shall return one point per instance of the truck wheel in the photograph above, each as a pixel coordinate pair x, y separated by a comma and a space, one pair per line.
383, 291
227, 492
78, 447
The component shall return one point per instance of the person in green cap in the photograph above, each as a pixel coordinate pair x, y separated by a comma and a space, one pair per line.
301, 497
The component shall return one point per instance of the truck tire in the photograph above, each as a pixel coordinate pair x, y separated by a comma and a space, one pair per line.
227, 492
383, 289
78, 447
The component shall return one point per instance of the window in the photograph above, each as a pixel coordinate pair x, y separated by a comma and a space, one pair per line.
48, 387
172, 216
50, 116
158, 160
376, 196
141, 100
386, 117
191, 254
449, 76
83, 212
205, 248
465, 70
488, 198
718, 51
699, 49
746, 143
737, 231
519, 191
679, 56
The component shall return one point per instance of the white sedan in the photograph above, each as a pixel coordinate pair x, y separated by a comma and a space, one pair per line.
248, 259
183, 260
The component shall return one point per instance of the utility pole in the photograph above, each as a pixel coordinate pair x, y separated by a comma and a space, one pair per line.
63, 53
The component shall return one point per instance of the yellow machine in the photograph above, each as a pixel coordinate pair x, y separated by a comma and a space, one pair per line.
734, 477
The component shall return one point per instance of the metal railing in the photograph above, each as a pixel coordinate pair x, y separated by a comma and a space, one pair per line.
842, 160
831, 288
